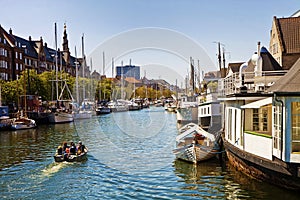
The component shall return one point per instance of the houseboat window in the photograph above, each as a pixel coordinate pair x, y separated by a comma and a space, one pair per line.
265, 119
295, 127
255, 120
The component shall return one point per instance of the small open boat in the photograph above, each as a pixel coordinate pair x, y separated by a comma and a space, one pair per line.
193, 144
22, 123
70, 158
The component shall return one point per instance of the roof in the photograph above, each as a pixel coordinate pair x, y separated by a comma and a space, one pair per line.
268, 61
289, 33
29, 45
290, 82
235, 67
8, 37
259, 103
132, 80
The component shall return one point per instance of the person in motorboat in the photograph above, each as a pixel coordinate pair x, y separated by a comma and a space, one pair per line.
81, 148
59, 150
65, 146
66, 150
73, 149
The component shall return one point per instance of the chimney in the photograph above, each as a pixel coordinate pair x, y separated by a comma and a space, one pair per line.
258, 48
10, 31
29, 38
45, 44
130, 62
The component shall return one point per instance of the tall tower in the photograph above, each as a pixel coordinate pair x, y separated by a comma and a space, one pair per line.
66, 50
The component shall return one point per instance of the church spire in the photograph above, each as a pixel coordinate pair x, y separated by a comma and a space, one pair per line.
66, 50
65, 39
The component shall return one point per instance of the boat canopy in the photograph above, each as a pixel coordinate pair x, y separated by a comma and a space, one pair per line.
258, 104
195, 129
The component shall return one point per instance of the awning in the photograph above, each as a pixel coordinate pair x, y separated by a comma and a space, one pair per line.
258, 104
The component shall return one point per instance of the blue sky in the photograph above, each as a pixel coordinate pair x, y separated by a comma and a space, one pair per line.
237, 24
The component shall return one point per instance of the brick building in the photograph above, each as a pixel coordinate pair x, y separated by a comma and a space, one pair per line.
18, 54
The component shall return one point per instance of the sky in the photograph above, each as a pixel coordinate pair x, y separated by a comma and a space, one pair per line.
162, 34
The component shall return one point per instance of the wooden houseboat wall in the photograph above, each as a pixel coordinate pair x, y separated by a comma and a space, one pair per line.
262, 125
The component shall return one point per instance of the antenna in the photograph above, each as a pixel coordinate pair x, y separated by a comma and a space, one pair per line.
103, 55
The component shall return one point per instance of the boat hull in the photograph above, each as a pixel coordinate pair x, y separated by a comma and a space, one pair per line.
71, 158
103, 110
276, 172
60, 117
195, 153
83, 115
23, 123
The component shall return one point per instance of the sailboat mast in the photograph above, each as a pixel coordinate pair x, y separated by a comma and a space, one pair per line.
199, 77
76, 70
92, 82
112, 67
83, 68
112, 76
56, 67
103, 65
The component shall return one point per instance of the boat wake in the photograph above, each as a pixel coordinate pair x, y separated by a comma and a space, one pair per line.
53, 168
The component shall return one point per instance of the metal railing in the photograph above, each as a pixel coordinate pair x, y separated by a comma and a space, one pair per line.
251, 82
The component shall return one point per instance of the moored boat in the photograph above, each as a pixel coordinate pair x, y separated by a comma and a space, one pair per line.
193, 144
22, 123
100, 110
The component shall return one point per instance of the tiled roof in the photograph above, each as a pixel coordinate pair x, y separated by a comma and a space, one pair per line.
29, 45
289, 33
289, 82
132, 80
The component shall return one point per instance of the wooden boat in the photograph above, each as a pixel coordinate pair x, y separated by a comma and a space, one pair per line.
193, 144
21, 123
71, 158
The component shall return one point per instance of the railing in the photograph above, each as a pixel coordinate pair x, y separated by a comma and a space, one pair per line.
251, 82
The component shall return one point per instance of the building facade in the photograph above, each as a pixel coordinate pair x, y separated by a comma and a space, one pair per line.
284, 41
128, 71
18, 54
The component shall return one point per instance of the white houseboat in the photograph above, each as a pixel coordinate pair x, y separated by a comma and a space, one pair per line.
262, 120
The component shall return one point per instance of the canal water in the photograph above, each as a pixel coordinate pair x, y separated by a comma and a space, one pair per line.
130, 157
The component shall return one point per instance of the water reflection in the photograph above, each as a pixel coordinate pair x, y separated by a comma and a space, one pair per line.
32, 144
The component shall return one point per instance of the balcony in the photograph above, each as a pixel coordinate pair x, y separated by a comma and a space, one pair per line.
249, 82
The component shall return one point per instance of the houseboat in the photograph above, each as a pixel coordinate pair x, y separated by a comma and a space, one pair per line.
261, 116
187, 110
209, 109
